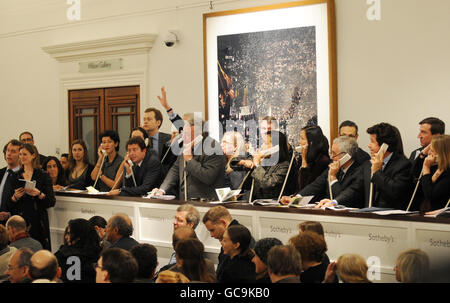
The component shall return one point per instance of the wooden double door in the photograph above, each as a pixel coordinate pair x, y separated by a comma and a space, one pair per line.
91, 111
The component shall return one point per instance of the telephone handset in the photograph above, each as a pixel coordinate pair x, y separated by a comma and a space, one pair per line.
344, 160
384, 147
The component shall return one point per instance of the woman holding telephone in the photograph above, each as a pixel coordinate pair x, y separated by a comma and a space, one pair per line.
107, 170
32, 195
436, 173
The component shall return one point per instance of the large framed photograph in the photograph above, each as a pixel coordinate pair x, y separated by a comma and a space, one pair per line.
278, 61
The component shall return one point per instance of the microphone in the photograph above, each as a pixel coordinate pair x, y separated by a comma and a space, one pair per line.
132, 173
415, 190
287, 175
184, 176
101, 166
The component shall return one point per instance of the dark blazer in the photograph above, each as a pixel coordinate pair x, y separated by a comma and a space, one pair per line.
361, 156
350, 198
269, 180
437, 193
240, 269
34, 210
307, 175
126, 243
148, 176
204, 173
166, 156
392, 186
6, 194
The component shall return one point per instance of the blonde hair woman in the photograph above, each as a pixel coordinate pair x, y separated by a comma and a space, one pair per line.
351, 268
233, 147
412, 266
436, 173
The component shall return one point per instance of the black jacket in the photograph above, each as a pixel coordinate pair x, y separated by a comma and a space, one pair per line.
437, 193
126, 243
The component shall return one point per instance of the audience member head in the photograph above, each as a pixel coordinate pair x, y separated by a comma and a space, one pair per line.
352, 268
312, 248
261, 250
4, 237
147, 260
412, 266
384, 133
44, 265
83, 236
19, 265
116, 265
153, 120
186, 215
15, 225
139, 132
11, 153
191, 260
29, 155
236, 241
54, 169
182, 232
64, 160
316, 142
78, 153
283, 261
118, 226
233, 144
216, 221
343, 145
168, 276
440, 146
26, 138
430, 127
110, 141
136, 149
348, 128
312, 226
99, 224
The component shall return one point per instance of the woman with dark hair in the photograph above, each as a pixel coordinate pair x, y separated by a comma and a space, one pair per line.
239, 266
56, 172
31, 203
315, 158
111, 171
269, 170
82, 248
191, 260
79, 172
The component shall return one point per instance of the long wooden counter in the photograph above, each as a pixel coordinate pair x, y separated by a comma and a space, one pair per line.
379, 239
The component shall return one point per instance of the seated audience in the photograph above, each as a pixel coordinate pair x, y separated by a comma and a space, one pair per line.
284, 264
6, 252
192, 263
314, 155
203, 171
110, 173
412, 266
32, 203
261, 249
217, 219
238, 268
79, 171
350, 129
56, 172
144, 174
83, 243
44, 268
436, 174
316, 227
99, 224
19, 265
350, 268
312, 248
147, 260
119, 230
169, 276
116, 265
17, 229
340, 178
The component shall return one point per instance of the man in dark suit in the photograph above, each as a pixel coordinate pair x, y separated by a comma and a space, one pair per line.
27, 137
11, 154
349, 128
341, 177
144, 174
119, 230
389, 171
153, 120
201, 164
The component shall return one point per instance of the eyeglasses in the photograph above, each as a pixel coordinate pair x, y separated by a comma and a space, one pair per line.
333, 155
